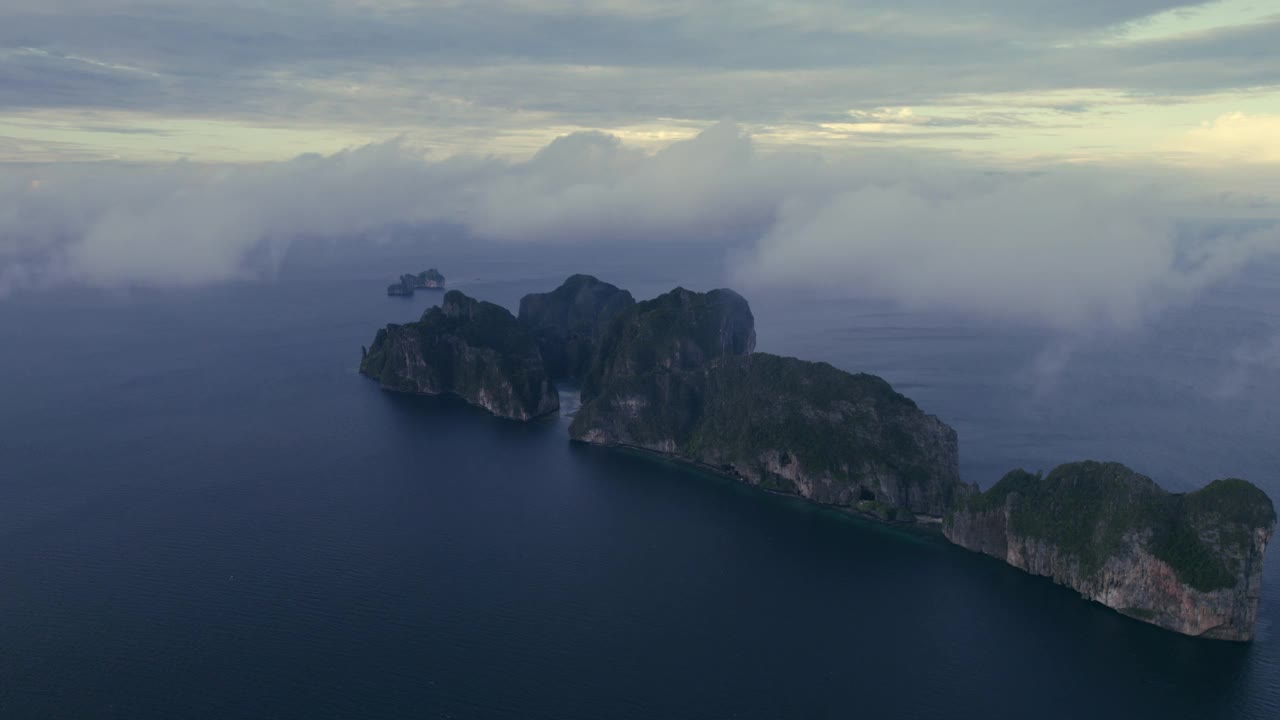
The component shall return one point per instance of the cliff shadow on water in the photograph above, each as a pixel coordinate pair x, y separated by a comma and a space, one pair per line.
659, 467
420, 411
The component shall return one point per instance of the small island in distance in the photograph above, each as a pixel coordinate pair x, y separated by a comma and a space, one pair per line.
426, 280
678, 376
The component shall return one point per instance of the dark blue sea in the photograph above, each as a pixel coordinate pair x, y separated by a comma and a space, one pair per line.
206, 513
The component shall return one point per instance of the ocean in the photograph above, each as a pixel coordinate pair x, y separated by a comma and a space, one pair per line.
205, 512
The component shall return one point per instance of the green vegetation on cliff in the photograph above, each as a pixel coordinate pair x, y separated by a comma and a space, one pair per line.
473, 349
1088, 509
568, 322
677, 375
680, 330
1206, 532
787, 425
831, 422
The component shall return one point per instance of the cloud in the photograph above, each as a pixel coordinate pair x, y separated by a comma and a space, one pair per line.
1057, 250
1247, 363
1235, 137
502, 63
1065, 248
186, 224
587, 186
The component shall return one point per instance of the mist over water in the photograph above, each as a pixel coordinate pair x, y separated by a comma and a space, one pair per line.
206, 512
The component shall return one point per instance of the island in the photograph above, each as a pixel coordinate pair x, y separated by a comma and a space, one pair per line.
474, 350
426, 280
429, 279
678, 377
1190, 562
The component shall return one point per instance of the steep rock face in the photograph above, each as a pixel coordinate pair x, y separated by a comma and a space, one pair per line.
783, 424
569, 322
681, 330
430, 279
427, 279
1191, 563
475, 350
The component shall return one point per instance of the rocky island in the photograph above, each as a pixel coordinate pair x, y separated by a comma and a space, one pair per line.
1190, 563
678, 376
472, 349
426, 280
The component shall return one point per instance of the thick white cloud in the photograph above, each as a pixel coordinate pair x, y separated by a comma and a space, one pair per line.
1066, 248
1061, 251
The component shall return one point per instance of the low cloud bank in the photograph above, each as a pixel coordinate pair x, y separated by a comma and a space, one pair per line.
1061, 251
1067, 248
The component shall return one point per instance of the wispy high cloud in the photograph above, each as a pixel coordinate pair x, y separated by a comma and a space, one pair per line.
482, 70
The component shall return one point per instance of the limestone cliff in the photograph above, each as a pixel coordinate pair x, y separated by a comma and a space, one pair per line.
675, 375
468, 348
430, 279
427, 279
787, 425
1187, 562
569, 322
681, 330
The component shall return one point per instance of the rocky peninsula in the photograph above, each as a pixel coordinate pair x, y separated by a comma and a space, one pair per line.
472, 349
678, 376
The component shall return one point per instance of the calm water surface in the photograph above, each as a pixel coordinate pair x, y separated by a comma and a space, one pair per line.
206, 513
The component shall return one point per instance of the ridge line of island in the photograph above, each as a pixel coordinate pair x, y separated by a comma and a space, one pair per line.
678, 376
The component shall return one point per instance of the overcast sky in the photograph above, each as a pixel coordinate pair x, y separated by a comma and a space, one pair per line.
1032, 159
239, 80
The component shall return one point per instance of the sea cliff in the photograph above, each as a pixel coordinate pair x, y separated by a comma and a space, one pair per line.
569, 322
472, 349
790, 426
1190, 562
676, 375
679, 330
426, 280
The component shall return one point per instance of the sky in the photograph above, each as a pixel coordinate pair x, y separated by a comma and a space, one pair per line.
241, 80
953, 153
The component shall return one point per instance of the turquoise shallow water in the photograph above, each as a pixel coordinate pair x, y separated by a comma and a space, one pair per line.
205, 512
